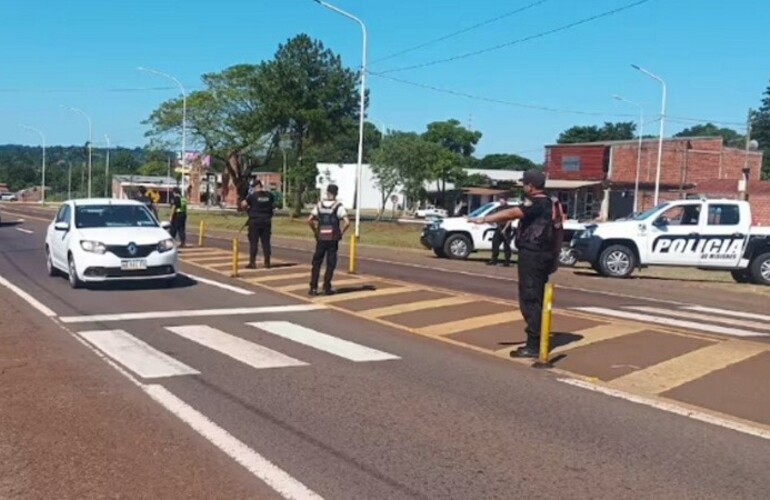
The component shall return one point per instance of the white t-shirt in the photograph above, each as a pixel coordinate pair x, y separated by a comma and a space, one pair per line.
341, 212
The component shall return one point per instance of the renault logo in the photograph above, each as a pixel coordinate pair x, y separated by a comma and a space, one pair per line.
132, 249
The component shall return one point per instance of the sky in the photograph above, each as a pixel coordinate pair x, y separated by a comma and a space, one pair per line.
713, 55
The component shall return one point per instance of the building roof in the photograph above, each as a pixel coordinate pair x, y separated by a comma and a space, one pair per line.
635, 141
497, 175
565, 184
484, 191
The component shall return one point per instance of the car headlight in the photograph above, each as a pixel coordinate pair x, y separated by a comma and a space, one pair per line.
166, 245
93, 246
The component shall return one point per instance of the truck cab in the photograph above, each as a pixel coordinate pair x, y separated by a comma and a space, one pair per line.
707, 234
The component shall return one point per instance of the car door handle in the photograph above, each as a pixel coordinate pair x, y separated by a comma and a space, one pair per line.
737, 235
693, 234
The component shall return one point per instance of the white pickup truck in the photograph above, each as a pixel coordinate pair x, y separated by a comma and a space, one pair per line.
706, 234
457, 238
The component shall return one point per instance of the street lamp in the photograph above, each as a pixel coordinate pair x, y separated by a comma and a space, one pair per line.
361, 119
90, 130
184, 113
42, 138
107, 168
69, 177
662, 123
639, 152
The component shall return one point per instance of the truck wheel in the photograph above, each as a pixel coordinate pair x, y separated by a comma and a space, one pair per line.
567, 257
617, 261
439, 252
457, 246
741, 276
760, 269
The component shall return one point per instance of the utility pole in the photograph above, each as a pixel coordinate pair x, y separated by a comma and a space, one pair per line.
743, 185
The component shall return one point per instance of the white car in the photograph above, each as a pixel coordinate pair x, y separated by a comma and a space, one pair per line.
100, 240
8, 197
430, 212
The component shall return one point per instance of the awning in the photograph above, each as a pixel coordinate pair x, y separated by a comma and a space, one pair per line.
565, 184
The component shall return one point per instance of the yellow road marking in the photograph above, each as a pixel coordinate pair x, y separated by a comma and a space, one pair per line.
688, 367
296, 288
277, 277
599, 334
342, 297
415, 306
471, 323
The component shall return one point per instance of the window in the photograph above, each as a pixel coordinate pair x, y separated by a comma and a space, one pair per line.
570, 163
724, 215
60, 214
681, 215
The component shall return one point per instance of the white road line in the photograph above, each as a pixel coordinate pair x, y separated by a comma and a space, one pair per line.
101, 318
136, 355
727, 312
237, 348
757, 325
323, 342
25, 231
224, 286
255, 463
692, 325
29, 299
671, 408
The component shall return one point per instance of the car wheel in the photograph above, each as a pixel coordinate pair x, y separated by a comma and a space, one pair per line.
439, 252
617, 261
760, 269
73, 274
741, 276
567, 257
457, 246
52, 271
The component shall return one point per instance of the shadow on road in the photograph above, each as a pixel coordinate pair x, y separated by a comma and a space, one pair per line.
10, 224
351, 289
181, 281
651, 278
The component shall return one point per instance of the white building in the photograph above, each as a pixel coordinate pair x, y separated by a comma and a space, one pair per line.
344, 176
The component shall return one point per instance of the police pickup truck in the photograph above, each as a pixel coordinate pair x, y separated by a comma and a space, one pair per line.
706, 234
457, 238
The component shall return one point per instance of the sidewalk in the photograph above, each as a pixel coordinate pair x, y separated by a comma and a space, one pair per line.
72, 427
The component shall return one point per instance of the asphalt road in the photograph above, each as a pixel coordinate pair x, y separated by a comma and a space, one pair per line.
391, 415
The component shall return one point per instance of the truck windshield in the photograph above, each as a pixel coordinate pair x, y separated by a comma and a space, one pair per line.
481, 210
647, 213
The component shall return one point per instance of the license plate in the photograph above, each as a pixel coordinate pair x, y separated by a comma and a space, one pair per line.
133, 265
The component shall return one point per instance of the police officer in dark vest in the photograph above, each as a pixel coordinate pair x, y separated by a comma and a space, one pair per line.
329, 221
537, 239
260, 205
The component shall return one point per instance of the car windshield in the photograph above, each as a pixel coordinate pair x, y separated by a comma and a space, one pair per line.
482, 209
647, 213
92, 216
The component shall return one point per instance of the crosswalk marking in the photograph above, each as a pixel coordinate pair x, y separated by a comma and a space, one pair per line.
382, 292
692, 325
212, 259
242, 350
305, 286
674, 372
703, 317
323, 342
727, 312
415, 306
471, 323
192, 252
102, 318
136, 355
598, 334
277, 277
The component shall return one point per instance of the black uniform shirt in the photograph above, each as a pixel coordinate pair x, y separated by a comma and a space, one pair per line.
536, 209
261, 206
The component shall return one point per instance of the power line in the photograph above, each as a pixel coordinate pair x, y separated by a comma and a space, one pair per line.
72, 90
522, 40
460, 32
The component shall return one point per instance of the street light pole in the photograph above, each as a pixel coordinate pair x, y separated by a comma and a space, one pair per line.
662, 124
639, 149
361, 120
283, 179
90, 140
184, 114
42, 139
107, 168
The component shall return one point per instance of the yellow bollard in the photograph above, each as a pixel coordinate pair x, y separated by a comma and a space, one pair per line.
235, 258
545, 328
352, 256
201, 229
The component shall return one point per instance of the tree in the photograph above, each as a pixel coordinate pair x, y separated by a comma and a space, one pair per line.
411, 159
504, 162
310, 98
387, 173
620, 131
731, 137
458, 144
760, 131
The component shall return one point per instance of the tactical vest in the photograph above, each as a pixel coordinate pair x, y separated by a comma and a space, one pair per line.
329, 223
182, 210
544, 233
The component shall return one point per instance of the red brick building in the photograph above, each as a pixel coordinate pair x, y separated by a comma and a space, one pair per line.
686, 163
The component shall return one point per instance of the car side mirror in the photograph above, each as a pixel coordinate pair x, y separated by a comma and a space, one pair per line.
62, 226
661, 221
165, 225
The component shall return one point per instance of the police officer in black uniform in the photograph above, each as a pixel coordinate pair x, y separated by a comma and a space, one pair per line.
329, 221
261, 206
536, 241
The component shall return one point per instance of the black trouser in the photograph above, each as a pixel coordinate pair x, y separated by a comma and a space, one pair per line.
179, 226
501, 238
328, 250
534, 269
259, 231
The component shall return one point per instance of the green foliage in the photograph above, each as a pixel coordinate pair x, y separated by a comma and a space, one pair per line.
619, 131
453, 137
504, 162
760, 131
731, 138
